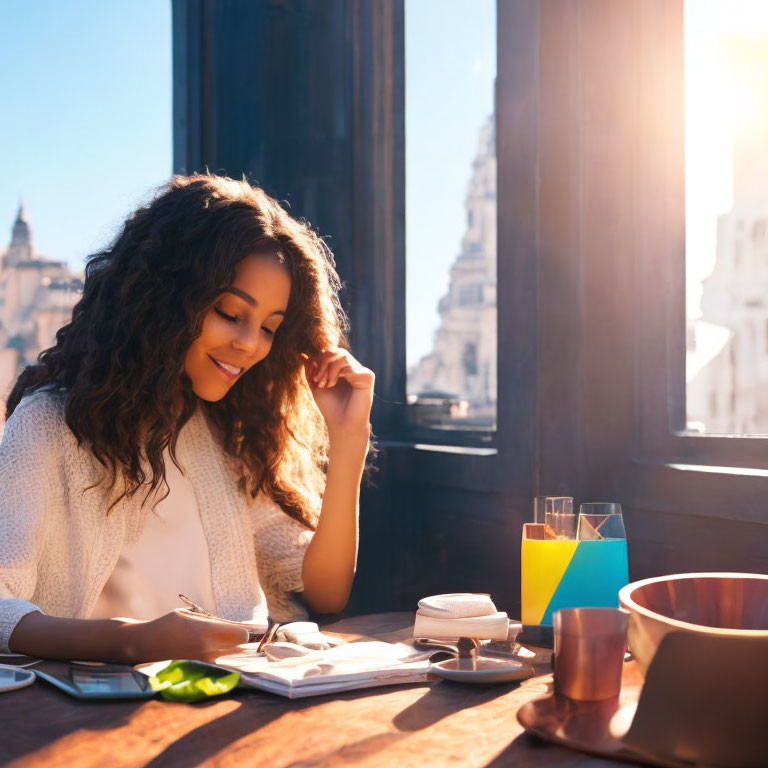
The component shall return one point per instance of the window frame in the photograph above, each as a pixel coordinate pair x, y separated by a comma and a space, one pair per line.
662, 341
450, 435
507, 463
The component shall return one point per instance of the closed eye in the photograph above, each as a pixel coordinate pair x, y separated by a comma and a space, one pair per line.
231, 318
237, 319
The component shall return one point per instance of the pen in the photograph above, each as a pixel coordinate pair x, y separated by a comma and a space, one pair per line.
269, 635
252, 636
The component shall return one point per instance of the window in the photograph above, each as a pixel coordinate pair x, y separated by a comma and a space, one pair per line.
470, 359
470, 294
87, 133
451, 213
726, 91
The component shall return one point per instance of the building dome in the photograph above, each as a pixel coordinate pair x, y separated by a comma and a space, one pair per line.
22, 235
21, 248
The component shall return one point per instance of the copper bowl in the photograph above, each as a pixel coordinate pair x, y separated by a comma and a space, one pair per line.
723, 604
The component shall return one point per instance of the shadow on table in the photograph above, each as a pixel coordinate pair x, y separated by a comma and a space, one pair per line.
256, 711
441, 700
444, 699
528, 750
24, 733
259, 710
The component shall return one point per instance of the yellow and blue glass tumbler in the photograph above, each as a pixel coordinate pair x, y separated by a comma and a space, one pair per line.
572, 564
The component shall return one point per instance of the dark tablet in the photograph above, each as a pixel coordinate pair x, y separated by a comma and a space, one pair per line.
95, 681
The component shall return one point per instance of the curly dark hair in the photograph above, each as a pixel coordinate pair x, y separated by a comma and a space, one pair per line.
120, 360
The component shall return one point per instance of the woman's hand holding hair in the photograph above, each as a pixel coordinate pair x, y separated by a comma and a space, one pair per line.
343, 391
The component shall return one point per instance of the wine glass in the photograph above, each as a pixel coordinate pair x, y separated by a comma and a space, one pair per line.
599, 521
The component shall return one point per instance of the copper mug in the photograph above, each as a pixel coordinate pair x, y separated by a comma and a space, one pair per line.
590, 644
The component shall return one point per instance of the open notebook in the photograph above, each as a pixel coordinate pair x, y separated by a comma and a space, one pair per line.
359, 664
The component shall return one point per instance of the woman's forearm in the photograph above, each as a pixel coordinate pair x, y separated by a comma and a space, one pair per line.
175, 635
52, 637
331, 557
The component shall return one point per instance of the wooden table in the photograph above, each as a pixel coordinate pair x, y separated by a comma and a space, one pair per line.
435, 724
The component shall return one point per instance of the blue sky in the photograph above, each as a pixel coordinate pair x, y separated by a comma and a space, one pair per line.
86, 133
85, 94
450, 68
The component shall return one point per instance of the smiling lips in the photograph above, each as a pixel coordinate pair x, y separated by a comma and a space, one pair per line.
231, 371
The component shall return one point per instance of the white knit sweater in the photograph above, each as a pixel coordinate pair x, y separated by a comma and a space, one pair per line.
58, 546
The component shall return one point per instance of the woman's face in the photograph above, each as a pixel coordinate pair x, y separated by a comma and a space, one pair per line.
238, 330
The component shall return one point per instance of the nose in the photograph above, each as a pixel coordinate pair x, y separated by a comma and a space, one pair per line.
248, 341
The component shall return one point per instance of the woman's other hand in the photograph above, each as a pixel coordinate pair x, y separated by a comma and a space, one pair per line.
343, 391
180, 635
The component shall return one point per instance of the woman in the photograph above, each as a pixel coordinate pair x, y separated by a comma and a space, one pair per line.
198, 428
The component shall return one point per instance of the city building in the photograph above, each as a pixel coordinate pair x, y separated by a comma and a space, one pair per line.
456, 381
36, 299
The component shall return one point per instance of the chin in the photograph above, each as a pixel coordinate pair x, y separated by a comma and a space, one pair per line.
211, 394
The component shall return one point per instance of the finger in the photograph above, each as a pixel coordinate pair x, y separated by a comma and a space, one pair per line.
328, 359
309, 366
335, 369
211, 656
321, 376
313, 366
215, 634
229, 635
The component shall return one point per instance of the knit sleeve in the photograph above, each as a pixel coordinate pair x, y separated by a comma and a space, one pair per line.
281, 544
29, 473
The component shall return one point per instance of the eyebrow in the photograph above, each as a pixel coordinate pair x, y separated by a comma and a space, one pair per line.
249, 299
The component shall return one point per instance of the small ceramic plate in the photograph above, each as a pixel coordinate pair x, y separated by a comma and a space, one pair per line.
12, 678
482, 670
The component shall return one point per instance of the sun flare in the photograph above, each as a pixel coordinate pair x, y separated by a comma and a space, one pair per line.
726, 61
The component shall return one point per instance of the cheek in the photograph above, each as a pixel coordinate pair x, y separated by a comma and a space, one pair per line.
197, 350
213, 333
192, 358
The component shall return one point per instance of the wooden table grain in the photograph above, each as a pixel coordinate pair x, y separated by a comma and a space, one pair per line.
435, 724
